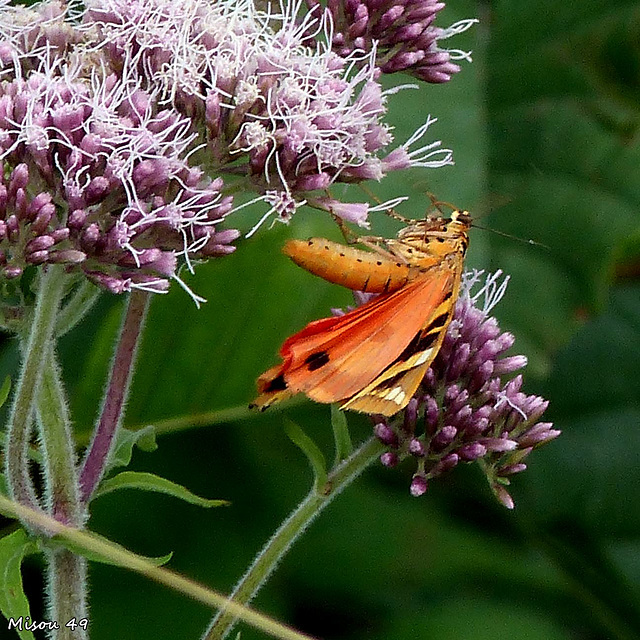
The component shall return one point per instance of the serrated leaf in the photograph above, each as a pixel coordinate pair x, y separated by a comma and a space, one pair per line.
144, 439
152, 482
13, 602
97, 557
311, 451
341, 434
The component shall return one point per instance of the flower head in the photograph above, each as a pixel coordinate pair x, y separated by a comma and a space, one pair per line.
98, 178
463, 411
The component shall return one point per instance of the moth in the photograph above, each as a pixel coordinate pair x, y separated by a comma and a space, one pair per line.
373, 358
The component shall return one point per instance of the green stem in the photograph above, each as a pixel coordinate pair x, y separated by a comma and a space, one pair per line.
50, 290
266, 561
67, 581
66, 593
95, 545
58, 447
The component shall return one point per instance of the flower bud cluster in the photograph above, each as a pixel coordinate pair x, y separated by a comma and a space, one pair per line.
463, 411
97, 175
402, 31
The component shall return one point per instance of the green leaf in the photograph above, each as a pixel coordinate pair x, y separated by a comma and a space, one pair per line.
152, 482
97, 557
311, 451
144, 439
13, 602
341, 434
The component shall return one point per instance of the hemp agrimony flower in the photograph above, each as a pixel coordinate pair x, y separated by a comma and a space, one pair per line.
98, 176
463, 411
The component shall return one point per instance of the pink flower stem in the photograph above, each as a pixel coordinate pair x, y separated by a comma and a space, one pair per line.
97, 456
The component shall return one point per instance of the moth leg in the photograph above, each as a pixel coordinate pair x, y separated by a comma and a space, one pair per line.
380, 246
349, 236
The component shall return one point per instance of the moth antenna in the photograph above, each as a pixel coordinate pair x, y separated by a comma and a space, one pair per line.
512, 237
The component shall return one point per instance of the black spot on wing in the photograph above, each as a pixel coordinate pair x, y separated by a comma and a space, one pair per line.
277, 384
317, 360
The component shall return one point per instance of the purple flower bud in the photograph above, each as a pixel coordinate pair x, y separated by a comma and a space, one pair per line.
3, 201
37, 257
11, 272
401, 61
90, 236
385, 434
67, 256
512, 469
538, 434
389, 17
60, 234
42, 219
418, 486
534, 407
416, 448
476, 426
355, 212
489, 350
459, 361
472, 451
389, 459
37, 203
77, 219
503, 496
462, 416
98, 188
457, 401
13, 228
313, 182
411, 416
110, 283
437, 74
19, 179
509, 365
431, 413
445, 464
20, 204
444, 437
498, 444
39, 243
482, 375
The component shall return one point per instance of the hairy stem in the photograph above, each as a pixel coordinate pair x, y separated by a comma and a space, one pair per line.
67, 581
67, 593
97, 456
267, 560
38, 344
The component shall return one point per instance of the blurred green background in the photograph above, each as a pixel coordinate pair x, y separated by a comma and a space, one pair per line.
544, 126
